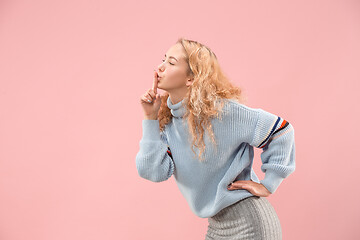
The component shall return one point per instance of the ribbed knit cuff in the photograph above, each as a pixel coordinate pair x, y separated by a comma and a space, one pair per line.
151, 129
271, 180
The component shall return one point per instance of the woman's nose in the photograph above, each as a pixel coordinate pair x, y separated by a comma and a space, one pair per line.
160, 67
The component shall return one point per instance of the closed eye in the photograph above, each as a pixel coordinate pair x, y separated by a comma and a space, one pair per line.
169, 62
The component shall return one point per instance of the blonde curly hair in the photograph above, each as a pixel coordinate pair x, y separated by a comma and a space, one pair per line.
210, 86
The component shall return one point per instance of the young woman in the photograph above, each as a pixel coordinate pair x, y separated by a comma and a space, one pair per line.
201, 132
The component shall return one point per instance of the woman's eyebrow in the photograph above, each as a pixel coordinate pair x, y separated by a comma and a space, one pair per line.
172, 57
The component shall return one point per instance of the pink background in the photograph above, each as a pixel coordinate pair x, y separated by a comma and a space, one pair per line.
71, 77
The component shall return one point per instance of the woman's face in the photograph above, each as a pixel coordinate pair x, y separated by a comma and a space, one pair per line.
172, 71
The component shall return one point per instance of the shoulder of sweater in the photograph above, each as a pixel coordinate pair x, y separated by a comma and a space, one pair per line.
235, 105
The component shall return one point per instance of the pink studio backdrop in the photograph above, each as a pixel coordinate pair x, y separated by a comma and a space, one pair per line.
72, 73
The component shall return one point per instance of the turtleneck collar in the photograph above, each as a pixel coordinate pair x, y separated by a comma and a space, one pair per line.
178, 109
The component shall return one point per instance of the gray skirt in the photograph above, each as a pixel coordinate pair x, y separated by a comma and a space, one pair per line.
250, 218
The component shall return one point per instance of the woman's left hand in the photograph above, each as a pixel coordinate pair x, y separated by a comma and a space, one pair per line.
253, 187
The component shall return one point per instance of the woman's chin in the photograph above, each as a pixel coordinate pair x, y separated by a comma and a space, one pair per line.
159, 87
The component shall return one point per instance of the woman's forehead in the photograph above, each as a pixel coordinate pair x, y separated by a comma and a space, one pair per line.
176, 51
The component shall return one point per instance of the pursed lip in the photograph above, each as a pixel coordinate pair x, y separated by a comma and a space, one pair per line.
159, 75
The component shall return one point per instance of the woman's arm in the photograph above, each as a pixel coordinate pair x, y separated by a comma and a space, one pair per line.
276, 137
154, 160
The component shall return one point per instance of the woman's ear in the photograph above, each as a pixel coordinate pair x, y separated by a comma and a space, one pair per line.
189, 82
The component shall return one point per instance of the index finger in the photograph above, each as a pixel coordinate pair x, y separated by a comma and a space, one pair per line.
155, 83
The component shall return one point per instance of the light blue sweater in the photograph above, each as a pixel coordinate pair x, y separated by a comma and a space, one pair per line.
204, 184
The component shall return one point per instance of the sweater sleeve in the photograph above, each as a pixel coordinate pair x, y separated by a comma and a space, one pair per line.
276, 137
154, 160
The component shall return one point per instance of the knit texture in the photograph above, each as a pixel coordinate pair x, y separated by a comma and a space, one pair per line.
204, 184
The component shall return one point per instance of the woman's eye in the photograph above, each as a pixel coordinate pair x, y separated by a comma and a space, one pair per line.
169, 62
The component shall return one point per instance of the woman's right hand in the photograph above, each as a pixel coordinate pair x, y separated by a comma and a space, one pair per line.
151, 100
